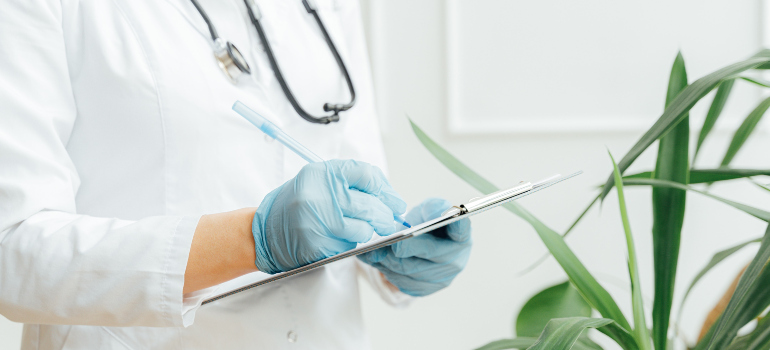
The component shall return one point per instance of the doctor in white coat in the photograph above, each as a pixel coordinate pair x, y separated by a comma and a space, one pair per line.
128, 187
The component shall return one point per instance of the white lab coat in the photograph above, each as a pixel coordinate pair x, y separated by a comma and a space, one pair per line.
116, 134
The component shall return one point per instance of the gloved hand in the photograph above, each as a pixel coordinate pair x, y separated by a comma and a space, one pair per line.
326, 209
424, 264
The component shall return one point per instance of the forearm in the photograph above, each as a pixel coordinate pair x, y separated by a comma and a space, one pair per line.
222, 249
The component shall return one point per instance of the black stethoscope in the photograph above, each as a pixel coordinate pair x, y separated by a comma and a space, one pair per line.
234, 65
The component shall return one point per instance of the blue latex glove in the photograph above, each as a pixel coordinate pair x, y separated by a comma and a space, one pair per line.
326, 209
427, 263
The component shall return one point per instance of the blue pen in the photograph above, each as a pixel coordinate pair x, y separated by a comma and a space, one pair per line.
275, 132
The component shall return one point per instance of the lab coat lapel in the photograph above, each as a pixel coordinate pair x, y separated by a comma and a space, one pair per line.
192, 16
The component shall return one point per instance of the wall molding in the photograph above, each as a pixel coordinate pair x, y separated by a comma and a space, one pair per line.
458, 124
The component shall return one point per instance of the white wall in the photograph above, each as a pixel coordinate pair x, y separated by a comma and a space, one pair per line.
520, 90
539, 88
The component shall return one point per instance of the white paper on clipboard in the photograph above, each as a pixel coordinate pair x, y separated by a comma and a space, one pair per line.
472, 207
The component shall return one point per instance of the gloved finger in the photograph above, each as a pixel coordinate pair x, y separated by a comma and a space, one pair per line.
459, 231
334, 248
416, 268
370, 179
374, 256
411, 286
355, 231
423, 270
368, 208
430, 248
429, 209
293, 259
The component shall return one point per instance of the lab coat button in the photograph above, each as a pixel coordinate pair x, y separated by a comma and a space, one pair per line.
291, 337
269, 139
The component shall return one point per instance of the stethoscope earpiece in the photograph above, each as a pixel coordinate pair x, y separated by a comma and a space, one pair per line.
230, 60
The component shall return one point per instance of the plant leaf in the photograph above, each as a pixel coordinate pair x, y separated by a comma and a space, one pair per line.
668, 209
455, 165
715, 260
755, 212
732, 319
699, 176
559, 301
677, 110
723, 92
640, 325
764, 187
516, 343
583, 214
740, 343
758, 298
755, 81
539, 261
760, 337
583, 281
563, 333
585, 343
745, 130
756, 302
720, 99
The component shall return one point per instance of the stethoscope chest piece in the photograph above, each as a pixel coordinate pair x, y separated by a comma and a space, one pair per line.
230, 60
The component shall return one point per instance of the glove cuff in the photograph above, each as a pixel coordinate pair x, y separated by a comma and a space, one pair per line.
264, 262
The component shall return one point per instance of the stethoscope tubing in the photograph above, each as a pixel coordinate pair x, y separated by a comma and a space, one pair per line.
243, 66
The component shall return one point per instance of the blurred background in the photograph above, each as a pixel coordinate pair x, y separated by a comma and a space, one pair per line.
521, 90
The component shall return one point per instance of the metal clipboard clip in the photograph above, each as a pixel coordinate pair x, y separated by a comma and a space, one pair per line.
479, 203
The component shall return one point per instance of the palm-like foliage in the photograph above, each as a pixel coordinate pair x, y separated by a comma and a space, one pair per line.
557, 317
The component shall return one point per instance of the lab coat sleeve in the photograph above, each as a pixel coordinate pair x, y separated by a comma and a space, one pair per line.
376, 279
56, 266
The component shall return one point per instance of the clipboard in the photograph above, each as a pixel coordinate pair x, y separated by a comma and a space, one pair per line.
473, 207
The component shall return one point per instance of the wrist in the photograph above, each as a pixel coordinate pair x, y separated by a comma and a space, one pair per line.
222, 249
246, 253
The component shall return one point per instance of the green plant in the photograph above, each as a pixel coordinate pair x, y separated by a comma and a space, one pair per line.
556, 317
